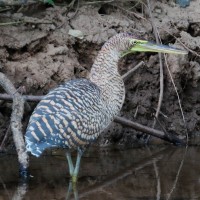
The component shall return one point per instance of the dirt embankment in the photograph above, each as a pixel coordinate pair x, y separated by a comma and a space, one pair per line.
40, 54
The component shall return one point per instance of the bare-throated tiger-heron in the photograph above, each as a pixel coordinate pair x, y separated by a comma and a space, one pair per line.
73, 115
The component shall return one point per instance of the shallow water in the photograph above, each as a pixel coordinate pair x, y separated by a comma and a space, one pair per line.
141, 173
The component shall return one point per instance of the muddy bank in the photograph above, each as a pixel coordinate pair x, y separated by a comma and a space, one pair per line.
40, 53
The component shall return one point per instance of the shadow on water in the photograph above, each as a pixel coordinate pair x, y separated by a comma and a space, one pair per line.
142, 174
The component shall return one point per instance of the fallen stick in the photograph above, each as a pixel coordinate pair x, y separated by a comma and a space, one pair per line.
30, 98
15, 122
145, 129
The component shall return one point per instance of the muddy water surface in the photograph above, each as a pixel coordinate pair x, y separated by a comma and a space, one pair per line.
165, 172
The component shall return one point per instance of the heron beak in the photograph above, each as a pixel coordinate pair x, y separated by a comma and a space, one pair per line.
145, 46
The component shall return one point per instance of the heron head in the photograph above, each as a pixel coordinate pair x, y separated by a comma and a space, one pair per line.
139, 45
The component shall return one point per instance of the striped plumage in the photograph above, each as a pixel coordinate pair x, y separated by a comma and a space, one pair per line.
75, 113
69, 116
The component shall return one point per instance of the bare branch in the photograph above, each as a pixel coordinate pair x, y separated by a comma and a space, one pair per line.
179, 100
157, 133
127, 75
17, 114
180, 42
26, 97
5, 137
161, 65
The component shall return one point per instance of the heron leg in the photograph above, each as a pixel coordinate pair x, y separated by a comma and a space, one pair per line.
69, 191
70, 163
77, 166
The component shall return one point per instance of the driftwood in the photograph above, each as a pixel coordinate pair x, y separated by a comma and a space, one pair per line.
16, 117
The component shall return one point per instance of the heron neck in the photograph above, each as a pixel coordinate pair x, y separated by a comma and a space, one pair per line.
105, 75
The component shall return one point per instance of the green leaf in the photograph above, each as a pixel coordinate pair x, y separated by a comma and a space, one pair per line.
49, 2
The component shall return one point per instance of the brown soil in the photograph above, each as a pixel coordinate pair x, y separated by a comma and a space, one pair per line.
40, 54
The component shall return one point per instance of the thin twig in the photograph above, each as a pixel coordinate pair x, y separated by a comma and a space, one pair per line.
5, 9
162, 127
11, 23
179, 101
76, 11
5, 137
129, 12
161, 65
26, 20
136, 112
161, 113
96, 2
127, 75
31, 98
178, 40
